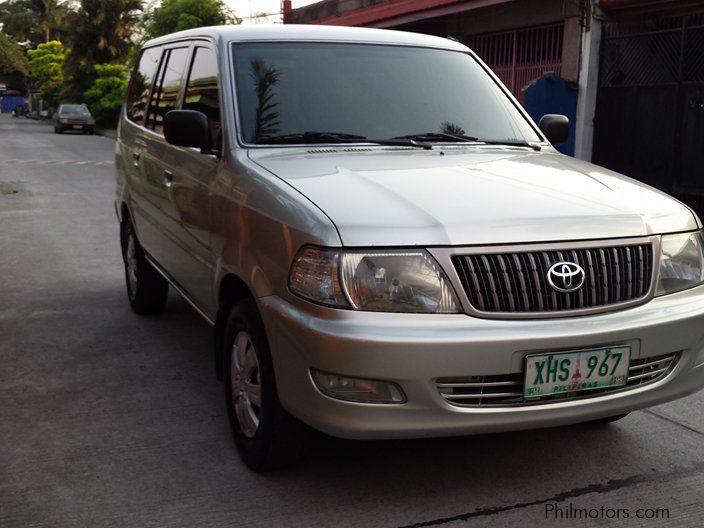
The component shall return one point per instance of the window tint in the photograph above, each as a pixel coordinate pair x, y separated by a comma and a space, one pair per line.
202, 91
141, 83
373, 91
165, 96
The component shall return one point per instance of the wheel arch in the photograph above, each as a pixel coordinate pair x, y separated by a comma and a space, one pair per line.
123, 217
231, 290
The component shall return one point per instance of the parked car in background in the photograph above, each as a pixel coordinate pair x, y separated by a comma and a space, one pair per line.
75, 117
388, 246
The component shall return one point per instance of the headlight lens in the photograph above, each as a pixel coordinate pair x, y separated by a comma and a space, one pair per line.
681, 262
407, 281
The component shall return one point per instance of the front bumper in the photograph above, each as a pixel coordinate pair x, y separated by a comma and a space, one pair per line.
413, 350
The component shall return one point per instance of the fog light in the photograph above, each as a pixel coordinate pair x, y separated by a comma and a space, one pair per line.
357, 389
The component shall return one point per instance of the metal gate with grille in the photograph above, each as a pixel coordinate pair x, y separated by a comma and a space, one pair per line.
649, 121
520, 56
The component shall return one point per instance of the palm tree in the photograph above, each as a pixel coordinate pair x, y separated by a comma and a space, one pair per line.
101, 32
35, 21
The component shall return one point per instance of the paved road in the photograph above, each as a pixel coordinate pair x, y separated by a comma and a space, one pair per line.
108, 419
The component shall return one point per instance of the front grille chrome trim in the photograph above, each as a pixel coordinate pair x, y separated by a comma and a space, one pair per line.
489, 391
545, 299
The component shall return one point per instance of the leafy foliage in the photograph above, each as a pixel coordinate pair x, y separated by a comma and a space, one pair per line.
177, 15
101, 33
46, 67
107, 93
12, 58
34, 21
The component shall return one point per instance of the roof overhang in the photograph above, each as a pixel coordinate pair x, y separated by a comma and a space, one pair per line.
397, 12
637, 6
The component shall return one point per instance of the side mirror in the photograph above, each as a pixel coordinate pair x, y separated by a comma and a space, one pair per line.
187, 128
555, 127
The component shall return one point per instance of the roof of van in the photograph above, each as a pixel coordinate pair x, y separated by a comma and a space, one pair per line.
311, 32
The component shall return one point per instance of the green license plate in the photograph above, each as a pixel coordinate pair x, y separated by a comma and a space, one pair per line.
563, 372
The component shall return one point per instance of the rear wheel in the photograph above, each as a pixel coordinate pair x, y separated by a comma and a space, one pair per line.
147, 290
266, 436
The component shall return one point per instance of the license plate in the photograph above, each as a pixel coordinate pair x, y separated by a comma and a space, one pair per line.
77, 126
564, 372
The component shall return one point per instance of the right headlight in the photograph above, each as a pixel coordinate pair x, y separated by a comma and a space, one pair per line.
681, 262
375, 280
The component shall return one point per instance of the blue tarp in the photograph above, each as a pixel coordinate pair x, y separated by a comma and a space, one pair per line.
9, 102
553, 95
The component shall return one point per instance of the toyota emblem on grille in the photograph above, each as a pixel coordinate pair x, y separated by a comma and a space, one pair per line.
566, 277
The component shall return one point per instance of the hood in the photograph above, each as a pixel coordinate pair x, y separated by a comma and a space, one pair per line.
471, 196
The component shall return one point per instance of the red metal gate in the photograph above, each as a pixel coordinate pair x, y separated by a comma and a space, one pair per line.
520, 56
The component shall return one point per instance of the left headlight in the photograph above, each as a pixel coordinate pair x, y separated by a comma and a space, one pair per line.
681, 262
407, 281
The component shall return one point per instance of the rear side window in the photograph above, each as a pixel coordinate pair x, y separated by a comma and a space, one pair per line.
165, 96
142, 80
202, 91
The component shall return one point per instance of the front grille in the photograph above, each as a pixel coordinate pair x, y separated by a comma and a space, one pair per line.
507, 389
517, 282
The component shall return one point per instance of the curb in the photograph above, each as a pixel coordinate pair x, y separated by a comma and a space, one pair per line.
112, 134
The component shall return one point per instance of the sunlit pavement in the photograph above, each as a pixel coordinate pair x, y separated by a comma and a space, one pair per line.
108, 419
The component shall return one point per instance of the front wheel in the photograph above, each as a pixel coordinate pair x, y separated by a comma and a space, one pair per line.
266, 436
147, 290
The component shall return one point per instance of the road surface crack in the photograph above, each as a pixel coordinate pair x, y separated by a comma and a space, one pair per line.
673, 421
609, 486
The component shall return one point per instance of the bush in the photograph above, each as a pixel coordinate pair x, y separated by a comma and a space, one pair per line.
45, 66
107, 94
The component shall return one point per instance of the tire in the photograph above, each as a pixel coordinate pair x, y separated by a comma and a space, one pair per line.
59, 130
608, 419
266, 436
147, 290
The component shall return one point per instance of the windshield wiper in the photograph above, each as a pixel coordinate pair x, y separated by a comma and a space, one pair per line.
438, 136
510, 143
445, 136
338, 137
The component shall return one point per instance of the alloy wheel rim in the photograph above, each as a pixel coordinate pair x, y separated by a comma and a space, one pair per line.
245, 384
131, 259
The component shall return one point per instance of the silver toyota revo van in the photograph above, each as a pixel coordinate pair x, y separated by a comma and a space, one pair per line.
388, 247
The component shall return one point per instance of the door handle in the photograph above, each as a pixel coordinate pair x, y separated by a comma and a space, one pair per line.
168, 178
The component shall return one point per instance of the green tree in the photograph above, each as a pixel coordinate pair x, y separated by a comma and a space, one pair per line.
106, 95
177, 15
34, 21
46, 68
12, 58
100, 32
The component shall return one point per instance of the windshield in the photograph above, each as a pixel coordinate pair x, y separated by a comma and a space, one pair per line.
293, 92
74, 109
